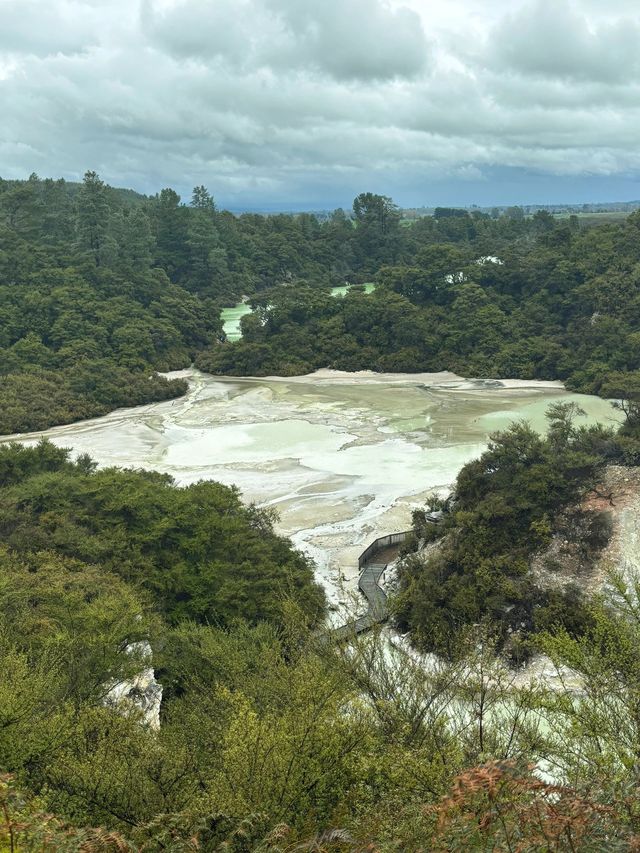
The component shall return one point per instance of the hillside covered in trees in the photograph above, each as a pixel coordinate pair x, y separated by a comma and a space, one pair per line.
101, 288
506, 507
508, 298
270, 739
197, 551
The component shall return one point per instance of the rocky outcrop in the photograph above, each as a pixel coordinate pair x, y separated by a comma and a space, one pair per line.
141, 693
570, 559
600, 534
619, 495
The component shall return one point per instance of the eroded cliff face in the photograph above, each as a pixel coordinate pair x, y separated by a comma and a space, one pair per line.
601, 534
619, 496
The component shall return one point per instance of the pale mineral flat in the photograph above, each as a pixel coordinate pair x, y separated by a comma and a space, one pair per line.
342, 457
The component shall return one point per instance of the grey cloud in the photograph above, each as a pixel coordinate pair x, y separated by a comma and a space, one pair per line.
200, 29
556, 40
356, 39
272, 99
30, 26
347, 39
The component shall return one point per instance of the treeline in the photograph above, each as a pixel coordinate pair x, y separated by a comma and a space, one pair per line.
86, 317
535, 298
101, 288
271, 739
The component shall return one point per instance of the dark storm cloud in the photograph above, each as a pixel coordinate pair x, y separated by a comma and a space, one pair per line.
271, 101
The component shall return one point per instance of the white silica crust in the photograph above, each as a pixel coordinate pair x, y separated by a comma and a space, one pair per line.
343, 457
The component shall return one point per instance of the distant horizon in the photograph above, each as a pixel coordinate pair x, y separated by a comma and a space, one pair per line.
470, 207
296, 106
324, 206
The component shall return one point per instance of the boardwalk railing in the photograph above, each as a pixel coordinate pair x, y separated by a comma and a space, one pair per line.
380, 544
371, 570
372, 563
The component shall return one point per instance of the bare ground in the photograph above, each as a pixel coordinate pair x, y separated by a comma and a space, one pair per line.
619, 494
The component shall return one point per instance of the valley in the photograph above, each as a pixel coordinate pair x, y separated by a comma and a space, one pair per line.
343, 458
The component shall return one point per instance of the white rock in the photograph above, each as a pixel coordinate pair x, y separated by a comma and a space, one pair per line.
141, 693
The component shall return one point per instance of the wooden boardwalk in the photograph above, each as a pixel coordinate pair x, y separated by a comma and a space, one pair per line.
372, 563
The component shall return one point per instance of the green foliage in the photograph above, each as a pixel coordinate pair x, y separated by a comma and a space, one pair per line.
301, 329
35, 401
562, 304
198, 550
625, 389
270, 739
86, 319
273, 743
507, 506
116, 286
604, 661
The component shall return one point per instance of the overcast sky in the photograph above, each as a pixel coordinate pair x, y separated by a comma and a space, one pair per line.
304, 103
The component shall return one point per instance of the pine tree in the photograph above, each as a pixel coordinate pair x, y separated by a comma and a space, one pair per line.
92, 224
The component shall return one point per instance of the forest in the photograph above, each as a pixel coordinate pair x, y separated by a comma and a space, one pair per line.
536, 298
198, 551
270, 738
102, 290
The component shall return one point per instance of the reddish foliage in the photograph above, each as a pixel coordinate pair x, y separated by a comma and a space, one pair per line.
502, 806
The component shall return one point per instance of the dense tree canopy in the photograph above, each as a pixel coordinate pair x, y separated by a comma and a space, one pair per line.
507, 505
100, 288
521, 298
198, 550
269, 739
86, 318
